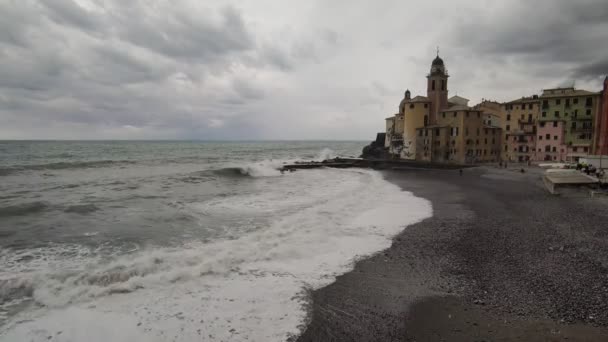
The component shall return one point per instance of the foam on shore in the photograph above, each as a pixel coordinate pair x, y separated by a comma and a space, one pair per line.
252, 287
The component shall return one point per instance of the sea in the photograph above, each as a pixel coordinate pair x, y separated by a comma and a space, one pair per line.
181, 240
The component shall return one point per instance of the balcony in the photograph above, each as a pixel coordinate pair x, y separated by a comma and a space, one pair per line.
582, 129
396, 137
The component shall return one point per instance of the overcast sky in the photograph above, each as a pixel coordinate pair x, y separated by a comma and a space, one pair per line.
275, 69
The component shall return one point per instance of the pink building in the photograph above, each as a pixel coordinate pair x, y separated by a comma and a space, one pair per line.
521, 142
550, 144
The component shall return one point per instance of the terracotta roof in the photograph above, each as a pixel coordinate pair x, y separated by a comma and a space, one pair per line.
456, 97
420, 99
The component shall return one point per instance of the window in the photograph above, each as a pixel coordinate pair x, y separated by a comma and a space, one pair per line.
467, 114
419, 132
485, 141
588, 112
575, 112
529, 117
589, 102
506, 148
442, 84
426, 120
545, 103
437, 131
542, 124
523, 116
555, 137
567, 102
456, 131
585, 149
508, 128
455, 113
508, 117
554, 149
540, 150
557, 113
443, 115
575, 101
478, 114
426, 105
544, 114
573, 126
540, 137
558, 102
575, 149
485, 131
477, 142
433, 85
477, 131
547, 148
548, 136
554, 123
514, 138
411, 106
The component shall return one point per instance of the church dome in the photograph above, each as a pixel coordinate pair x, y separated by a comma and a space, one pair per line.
438, 61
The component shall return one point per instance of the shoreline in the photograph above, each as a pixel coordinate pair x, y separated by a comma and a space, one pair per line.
500, 259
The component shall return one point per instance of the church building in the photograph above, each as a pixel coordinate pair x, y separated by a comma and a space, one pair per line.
435, 128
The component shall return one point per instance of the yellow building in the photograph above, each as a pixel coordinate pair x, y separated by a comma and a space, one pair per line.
519, 124
460, 136
401, 128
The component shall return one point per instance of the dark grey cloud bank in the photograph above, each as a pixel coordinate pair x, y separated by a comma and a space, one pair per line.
274, 69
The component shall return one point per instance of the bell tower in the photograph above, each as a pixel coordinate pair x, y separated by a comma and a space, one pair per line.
437, 88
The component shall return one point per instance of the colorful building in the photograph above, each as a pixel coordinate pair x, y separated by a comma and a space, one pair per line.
600, 141
576, 109
519, 125
455, 132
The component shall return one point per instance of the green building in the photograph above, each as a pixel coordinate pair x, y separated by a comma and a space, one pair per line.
577, 110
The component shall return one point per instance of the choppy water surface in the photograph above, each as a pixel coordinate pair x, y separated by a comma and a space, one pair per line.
180, 241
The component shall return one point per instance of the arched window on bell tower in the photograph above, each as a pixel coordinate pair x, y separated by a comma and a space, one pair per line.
432, 84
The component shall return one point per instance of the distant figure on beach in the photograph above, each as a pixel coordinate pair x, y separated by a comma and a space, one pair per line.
460, 171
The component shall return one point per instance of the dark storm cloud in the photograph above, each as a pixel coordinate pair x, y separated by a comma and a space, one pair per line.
540, 32
592, 70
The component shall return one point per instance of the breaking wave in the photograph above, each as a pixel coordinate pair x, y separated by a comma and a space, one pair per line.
259, 169
319, 223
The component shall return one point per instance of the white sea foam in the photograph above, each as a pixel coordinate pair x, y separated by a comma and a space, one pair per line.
248, 288
325, 154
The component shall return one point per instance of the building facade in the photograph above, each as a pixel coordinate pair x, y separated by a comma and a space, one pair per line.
561, 125
435, 128
519, 126
600, 146
576, 109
